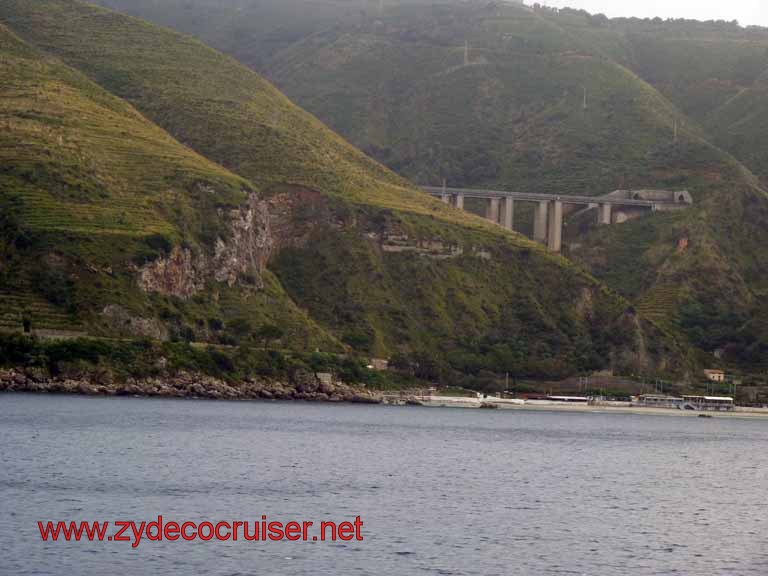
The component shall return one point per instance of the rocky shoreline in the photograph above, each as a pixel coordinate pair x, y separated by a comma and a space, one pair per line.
303, 386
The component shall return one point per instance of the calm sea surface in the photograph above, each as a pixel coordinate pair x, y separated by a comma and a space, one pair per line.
440, 491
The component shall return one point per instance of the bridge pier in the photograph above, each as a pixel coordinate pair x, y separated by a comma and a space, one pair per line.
540, 221
555, 236
551, 209
493, 210
508, 221
604, 214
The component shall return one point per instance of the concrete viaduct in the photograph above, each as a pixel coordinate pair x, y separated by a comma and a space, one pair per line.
550, 209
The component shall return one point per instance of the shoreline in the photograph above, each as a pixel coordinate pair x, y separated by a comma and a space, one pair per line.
503, 405
369, 398
309, 388
188, 385
740, 412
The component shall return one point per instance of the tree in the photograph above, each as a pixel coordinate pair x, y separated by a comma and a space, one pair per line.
269, 332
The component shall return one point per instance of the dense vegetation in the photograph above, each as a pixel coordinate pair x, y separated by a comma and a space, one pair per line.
103, 361
89, 189
128, 144
549, 100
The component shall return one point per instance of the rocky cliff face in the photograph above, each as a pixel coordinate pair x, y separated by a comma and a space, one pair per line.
244, 255
238, 258
120, 321
179, 274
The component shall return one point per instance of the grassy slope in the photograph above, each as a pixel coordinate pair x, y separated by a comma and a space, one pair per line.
252, 31
231, 115
697, 65
94, 186
713, 288
515, 118
367, 81
200, 95
740, 125
715, 72
98, 167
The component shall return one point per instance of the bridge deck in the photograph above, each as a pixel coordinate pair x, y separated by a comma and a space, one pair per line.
537, 197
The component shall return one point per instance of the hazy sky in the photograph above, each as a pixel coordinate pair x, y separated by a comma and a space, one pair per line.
745, 11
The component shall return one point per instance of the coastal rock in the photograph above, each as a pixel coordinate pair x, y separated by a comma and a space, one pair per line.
305, 382
238, 258
32, 386
180, 274
87, 389
120, 321
243, 256
187, 385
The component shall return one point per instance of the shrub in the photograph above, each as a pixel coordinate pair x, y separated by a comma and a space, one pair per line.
268, 333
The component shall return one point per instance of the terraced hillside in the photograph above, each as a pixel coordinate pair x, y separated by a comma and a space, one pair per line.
714, 72
740, 125
90, 192
253, 32
208, 101
510, 110
700, 67
562, 101
311, 235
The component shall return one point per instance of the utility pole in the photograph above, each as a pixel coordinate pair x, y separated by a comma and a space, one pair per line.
585, 97
381, 8
675, 130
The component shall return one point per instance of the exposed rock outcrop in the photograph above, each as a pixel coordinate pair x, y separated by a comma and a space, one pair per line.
435, 249
296, 213
122, 322
244, 254
179, 274
238, 258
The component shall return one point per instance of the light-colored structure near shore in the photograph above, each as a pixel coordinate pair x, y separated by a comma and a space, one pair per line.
715, 375
550, 210
692, 403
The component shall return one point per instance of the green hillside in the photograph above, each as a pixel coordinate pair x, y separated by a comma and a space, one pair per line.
714, 72
90, 192
252, 31
209, 102
741, 123
548, 100
397, 86
337, 250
